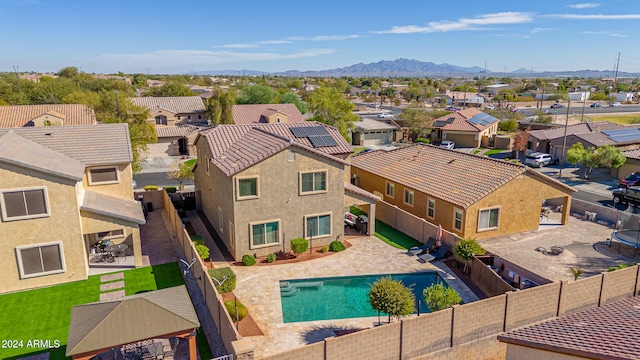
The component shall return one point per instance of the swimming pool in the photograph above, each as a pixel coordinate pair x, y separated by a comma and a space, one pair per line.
342, 297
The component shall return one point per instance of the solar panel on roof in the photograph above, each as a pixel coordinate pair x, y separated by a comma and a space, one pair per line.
299, 131
622, 135
322, 141
482, 119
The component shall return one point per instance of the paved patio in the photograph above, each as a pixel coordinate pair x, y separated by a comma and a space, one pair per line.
258, 288
583, 242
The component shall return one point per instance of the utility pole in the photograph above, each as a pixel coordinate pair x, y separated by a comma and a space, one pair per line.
15, 69
615, 73
564, 139
485, 69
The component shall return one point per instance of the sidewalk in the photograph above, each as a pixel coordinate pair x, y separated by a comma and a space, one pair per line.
599, 182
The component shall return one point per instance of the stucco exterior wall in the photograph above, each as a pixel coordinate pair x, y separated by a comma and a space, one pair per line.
173, 119
123, 189
517, 352
62, 225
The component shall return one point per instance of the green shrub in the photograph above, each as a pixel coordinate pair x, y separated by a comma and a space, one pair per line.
271, 258
423, 140
336, 246
230, 305
299, 245
170, 189
228, 284
197, 239
150, 187
620, 267
438, 297
203, 251
248, 260
324, 249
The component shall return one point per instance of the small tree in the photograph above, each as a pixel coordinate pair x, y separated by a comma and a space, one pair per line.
181, 171
607, 156
465, 249
392, 297
576, 272
299, 245
203, 251
438, 297
520, 140
509, 125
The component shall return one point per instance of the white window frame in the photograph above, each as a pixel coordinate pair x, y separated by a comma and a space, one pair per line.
291, 156
3, 205
389, 185
458, 211
432, 209
220, 220
207, 160
318, 215
90, 178
247, 197
411, 194
265, 222
21, 265
480, 228
326, 182
111, 235
232, 236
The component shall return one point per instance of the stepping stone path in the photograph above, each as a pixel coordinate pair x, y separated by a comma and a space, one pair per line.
108, 284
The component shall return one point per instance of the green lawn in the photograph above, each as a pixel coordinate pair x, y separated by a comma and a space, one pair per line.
493, 152
45, 313
357, 150
619, 119
391, 236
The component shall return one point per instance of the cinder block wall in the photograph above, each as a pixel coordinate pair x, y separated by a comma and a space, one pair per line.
478, 319
309, 352
579, 295
426, 333
535, 304
377, 343
619, 284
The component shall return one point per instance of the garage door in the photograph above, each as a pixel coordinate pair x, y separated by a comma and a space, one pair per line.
381, 138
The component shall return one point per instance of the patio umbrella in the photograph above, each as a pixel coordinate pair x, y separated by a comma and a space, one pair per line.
439, 236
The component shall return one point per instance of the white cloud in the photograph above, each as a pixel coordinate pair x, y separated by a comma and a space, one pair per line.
476, 23
323, 38
595, 17
606, 33
274, 42
238, 46
583, 6
539, 29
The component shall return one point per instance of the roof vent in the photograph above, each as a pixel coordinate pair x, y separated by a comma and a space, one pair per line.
48, 134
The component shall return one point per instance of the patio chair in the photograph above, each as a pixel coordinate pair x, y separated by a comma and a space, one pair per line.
439, 254
422, 248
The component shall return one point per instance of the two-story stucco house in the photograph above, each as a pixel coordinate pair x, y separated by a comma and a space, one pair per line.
46, 115
265, 113
262, 185
469, 195
65, 191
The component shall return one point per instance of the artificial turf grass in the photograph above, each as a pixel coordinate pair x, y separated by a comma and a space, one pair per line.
389, 235
45, 313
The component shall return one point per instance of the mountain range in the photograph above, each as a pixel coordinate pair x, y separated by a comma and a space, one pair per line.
415, 68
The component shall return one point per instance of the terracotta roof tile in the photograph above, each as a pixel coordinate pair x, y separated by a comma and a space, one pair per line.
632, 154
174, 104
251, 114
459, 121
22, 115
607, 332
456, 177
583, 128
178, 130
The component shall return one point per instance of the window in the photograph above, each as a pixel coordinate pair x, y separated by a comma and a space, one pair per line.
408, 197
488, 219
206, 159
111, 234
292, 156
277, 119
161, 120
40, 260
24, 204
246, 188
431, 208
220, 220
313, 182
200, 117
188, 117
457, 219
318, 226
265, 234
390, 190
102, 176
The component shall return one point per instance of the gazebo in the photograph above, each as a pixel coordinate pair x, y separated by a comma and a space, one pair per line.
100, 327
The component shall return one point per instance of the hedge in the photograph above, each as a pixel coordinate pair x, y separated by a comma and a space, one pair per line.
228, 284
230, 305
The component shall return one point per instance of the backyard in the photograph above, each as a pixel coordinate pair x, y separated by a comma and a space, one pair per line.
44, 314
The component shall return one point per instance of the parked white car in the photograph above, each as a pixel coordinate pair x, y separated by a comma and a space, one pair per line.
538, 159
385, 116
615, 104
448, 145
490, 107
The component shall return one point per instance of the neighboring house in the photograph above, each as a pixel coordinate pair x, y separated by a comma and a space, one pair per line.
169, 114
266, 113
623, 138
623, 96
63, 190
372, 132
461, 98
262, 185
467, 128
469, 195
595, 333
46, 115
580, 96
540, 140
630, 166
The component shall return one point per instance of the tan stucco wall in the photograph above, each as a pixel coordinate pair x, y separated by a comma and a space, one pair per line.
94, 223
62, 225
48, 120
173, 119
122, 189
273, 119
630, 166
517, 352
278, 199
519, 201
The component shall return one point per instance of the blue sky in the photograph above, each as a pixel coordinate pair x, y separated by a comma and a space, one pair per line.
185, 36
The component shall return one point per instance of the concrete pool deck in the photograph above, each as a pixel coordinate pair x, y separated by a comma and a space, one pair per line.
259, 289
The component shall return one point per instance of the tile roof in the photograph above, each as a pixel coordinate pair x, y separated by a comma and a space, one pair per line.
350, 188
103, 204
174, 104
458, 178
251, 114
557, 132
237, 147
370, 124
21, 115
459, 121
101, 144
632, 154
147, 315
178, 130
17, 150
606, 332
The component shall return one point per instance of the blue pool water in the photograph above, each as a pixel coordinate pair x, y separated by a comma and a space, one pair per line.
342, 297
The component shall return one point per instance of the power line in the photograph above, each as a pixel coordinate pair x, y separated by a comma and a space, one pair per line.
615, 74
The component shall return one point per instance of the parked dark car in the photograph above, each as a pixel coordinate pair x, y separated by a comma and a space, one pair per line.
556, 106
626, 196
596, 105
632, 179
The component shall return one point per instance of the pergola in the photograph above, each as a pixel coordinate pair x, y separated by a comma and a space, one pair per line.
99, 327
